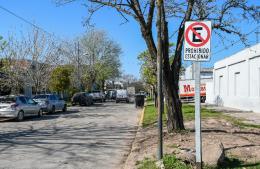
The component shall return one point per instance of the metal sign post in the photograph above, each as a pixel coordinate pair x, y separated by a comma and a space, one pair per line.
197, 48
159, 83
197, 116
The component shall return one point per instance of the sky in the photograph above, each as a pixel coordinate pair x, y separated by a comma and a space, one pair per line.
66, 22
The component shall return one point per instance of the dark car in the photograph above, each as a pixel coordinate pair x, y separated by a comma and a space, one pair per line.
98, 96
111, 95
82, 99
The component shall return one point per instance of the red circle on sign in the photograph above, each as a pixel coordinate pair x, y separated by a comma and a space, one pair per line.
190, 28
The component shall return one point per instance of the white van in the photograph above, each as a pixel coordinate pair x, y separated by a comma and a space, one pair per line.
122, 95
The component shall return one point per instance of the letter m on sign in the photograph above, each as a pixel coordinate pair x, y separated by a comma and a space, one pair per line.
186, 88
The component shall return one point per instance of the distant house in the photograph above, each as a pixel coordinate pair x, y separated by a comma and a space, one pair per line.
236, 81
110, 84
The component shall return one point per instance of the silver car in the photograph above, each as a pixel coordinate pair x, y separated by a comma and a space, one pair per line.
50, 102
18, 107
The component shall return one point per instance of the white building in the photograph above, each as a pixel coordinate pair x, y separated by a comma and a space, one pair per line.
205, 73
236, 81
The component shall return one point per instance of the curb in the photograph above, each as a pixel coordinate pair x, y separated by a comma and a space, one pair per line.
134, 141
142, 117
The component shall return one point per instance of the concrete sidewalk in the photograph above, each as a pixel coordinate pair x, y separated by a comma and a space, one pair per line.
249, 116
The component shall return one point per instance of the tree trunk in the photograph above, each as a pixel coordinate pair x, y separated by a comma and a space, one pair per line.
170, 72
171, 85
173, 103
155, 96
103, 85
113, 84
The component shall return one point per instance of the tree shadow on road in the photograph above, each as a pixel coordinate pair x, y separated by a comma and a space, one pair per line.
75, 144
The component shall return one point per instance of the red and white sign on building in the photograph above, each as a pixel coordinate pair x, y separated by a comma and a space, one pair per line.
197, 41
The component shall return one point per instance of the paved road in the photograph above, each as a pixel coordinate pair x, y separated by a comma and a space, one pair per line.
93, 137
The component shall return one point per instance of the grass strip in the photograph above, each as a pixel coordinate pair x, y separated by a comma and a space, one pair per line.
150, 115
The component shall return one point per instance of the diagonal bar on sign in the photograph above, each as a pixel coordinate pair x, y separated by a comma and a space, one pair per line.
197, 34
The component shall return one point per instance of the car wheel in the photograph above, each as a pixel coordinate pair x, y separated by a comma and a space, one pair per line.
20, 116
89, 103
40, 113
53, 109
64, 108
117, 101
81, 103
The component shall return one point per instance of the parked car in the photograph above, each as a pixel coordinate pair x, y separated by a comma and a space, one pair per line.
82, 98
18, 107
122, 95
50, 102
111, 95
98, 96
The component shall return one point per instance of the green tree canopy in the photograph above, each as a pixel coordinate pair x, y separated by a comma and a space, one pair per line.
61, 78
148, 68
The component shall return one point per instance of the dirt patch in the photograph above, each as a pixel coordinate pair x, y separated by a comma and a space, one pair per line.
243, 144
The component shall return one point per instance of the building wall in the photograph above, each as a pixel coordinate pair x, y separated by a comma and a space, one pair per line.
236, 81
189, 73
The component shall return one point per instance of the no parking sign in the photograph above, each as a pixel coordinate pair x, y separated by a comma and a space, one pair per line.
197, 41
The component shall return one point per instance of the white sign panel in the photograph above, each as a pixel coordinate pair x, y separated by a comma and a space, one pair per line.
197, 41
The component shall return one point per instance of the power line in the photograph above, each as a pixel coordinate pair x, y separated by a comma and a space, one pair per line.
35, 26
26, 21
257, 32
232, 44
31, 24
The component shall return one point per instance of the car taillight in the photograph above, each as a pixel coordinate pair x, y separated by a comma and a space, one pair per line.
14, 106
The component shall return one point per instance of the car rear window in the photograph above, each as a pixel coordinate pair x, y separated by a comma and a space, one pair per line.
52, 97
7, 99
87, 94
40, 97
122, 92
23, 100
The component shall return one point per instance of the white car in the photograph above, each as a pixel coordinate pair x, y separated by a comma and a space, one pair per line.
50, 102
18, 107
122, 95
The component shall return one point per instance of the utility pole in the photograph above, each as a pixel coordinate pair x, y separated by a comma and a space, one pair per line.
159, 79
78, 65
